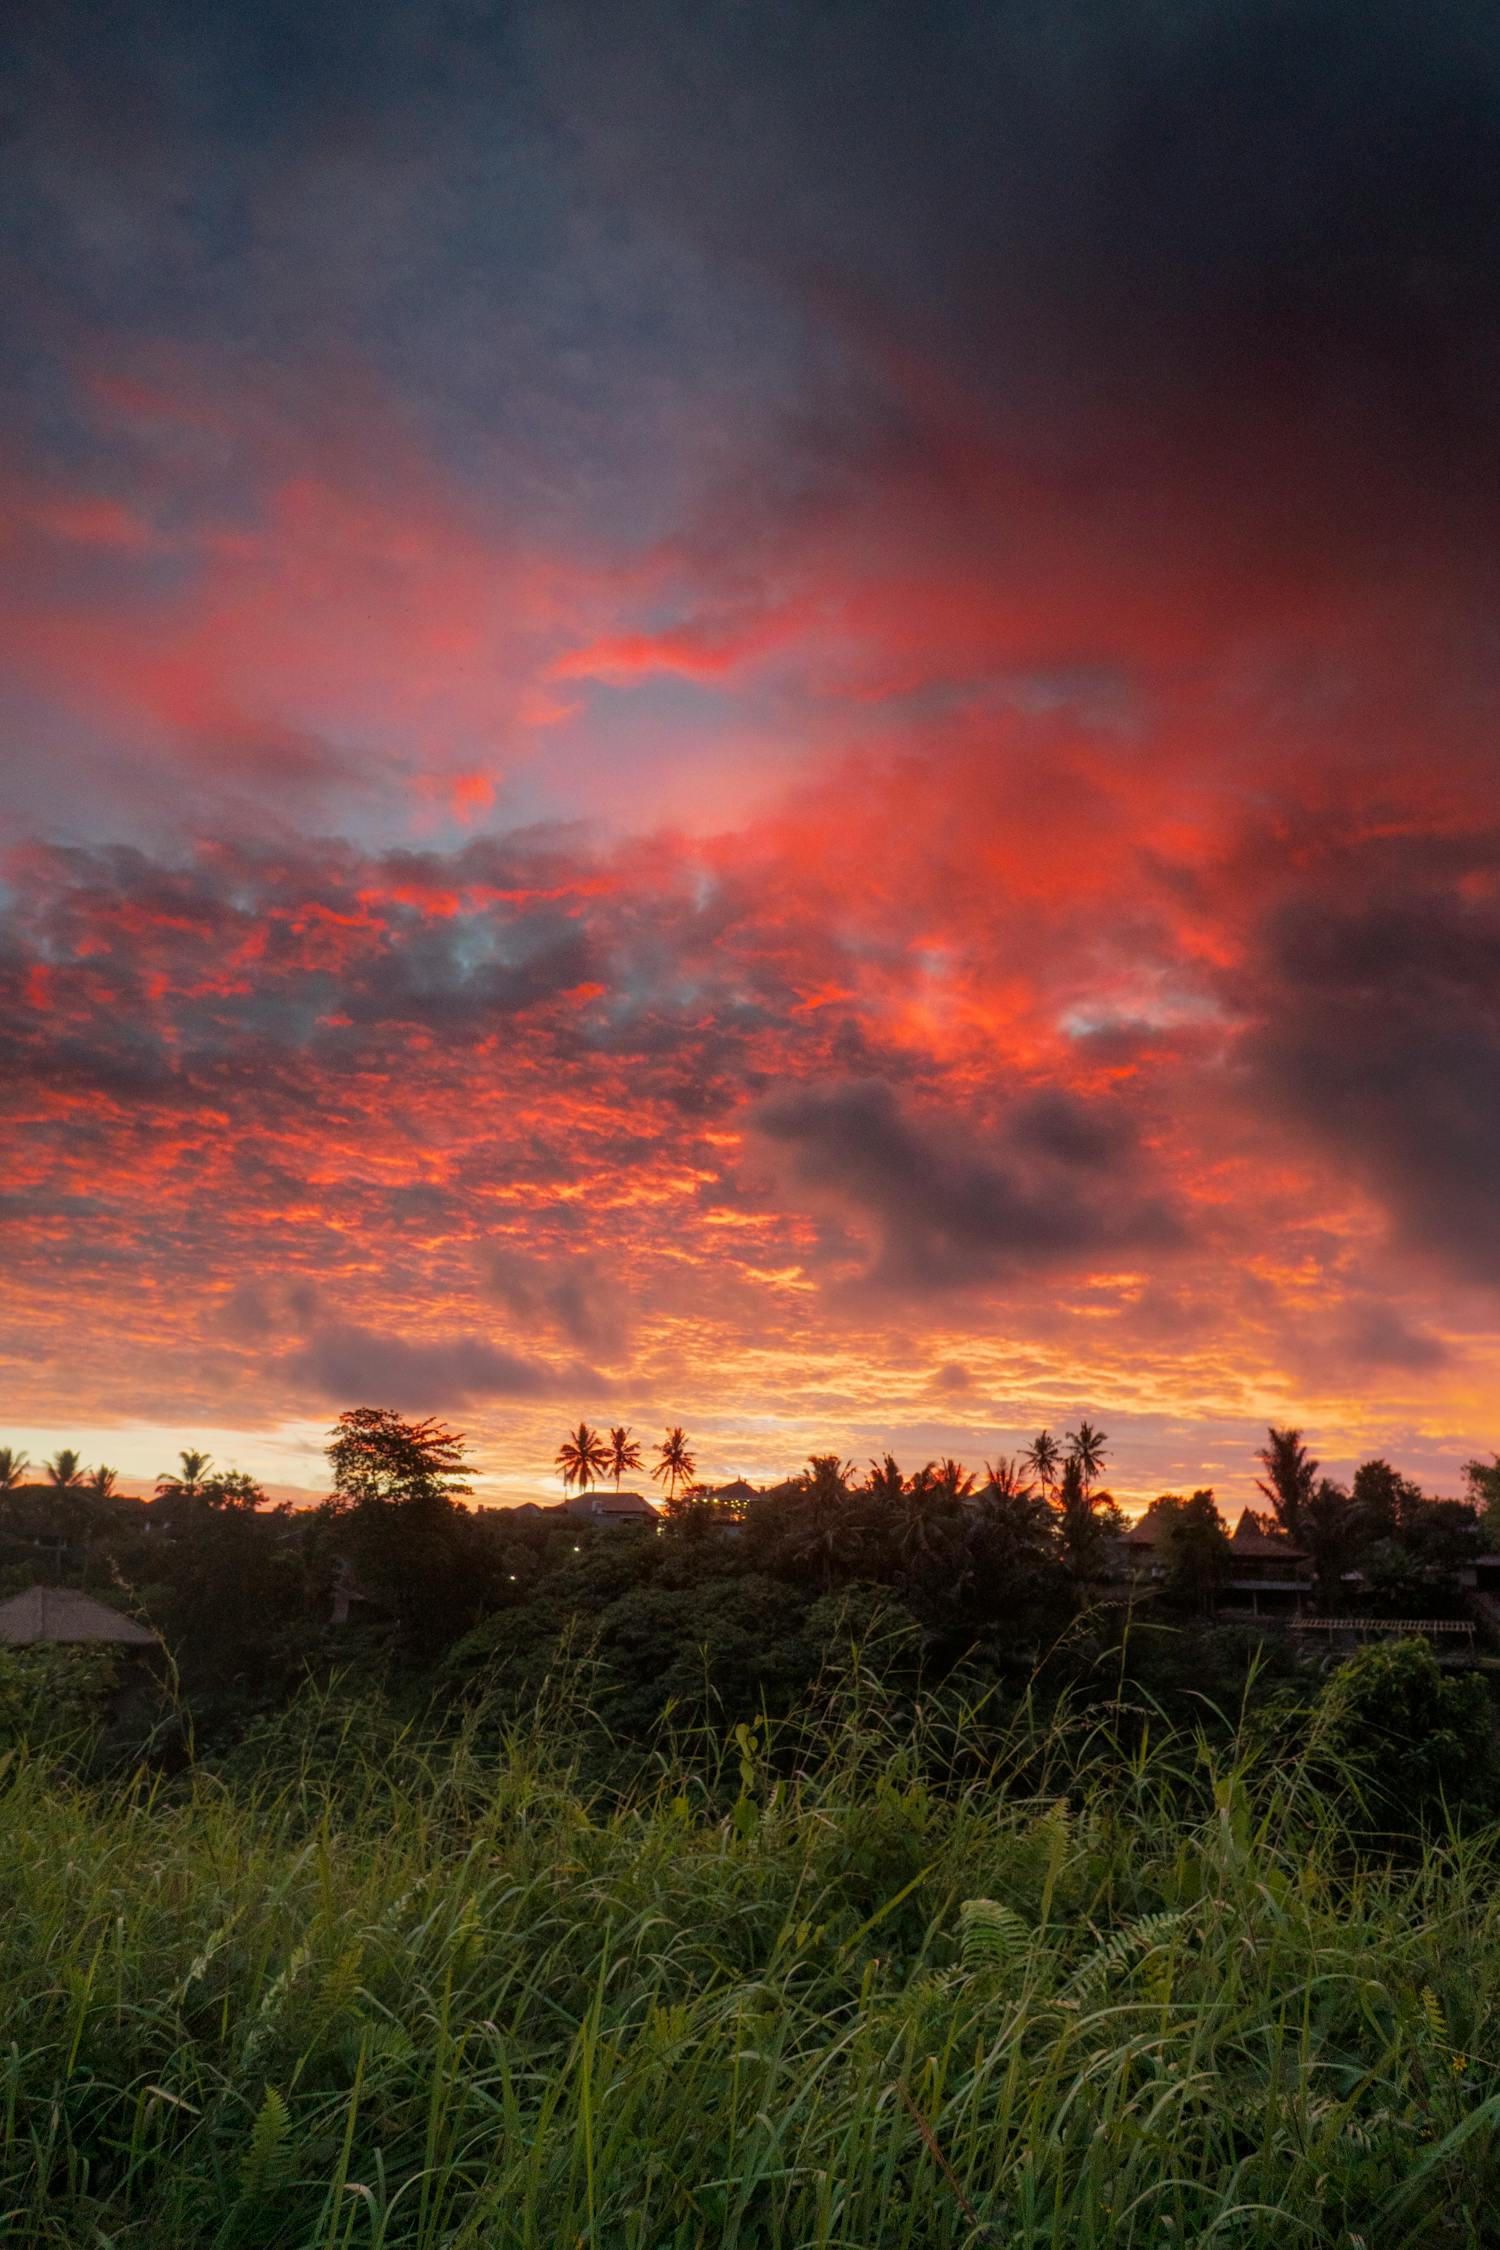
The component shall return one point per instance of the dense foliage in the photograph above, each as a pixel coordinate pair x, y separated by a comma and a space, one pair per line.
891, 1975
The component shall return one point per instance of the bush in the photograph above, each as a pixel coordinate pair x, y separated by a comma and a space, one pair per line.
1414, 1736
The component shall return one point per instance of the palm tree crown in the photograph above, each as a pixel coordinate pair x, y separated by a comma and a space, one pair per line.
1086, 1446
189, 1480
583, 1458
674, 1463
624, 1455
1291, 1477
102, 1482
13, 1467
65, 1469
1043, 1457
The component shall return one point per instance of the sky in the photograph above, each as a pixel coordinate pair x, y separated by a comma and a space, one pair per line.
776, 717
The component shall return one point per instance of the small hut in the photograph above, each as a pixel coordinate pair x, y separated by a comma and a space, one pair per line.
51, 1615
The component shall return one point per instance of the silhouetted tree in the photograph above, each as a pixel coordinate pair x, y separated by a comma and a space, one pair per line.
233, 1489
952, 1479
584, 1458
100, 1484
1483, 1481
13, 1467
1291, 1477
1087, 1520
1086, 1446
65, 1470
1043, 1457
1193, 1545
396, 1491
885, 1481
1384, 1501
624, 1455
1328, 1528
378, 1455
186, 1482
674, 1464
1006, 1479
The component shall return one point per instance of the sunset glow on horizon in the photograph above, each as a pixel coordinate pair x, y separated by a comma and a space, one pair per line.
777, 722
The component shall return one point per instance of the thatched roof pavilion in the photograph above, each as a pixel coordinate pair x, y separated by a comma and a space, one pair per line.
52, 1614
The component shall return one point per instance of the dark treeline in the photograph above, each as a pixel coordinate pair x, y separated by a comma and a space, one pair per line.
730, 1602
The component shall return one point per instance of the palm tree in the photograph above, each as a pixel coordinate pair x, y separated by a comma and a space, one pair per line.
1005, 1479
1085, 1521
189, 1482
952, 1480
885, 1481
13, 1467
674, 1463
65, 1470
1086, 1446
583, 1458
101, 1485
1043, 1458
624, 1455
1291, 1477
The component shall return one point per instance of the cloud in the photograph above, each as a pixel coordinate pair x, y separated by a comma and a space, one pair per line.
1378, 1040
345, 1362
1053, 1184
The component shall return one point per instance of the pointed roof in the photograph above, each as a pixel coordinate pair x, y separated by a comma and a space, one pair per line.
1250, 1539
62, 1613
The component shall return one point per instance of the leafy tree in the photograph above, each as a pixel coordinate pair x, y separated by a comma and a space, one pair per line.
100, 1484
583, 1458
624, 1455
396, 1489
1483, 1481
1329, 1530
1291, 1477
13, 1467
1384, 1501
234, 1489
378, 1455
65, 1470
674, 1464
1193, 1545
1413, 1735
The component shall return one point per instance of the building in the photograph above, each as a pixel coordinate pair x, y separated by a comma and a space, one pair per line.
53, 1616
1268, 1575
605, 1506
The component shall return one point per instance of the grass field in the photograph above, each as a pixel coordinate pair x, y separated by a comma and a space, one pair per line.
403, 1990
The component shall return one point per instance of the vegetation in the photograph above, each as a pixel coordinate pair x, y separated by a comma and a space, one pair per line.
858, 1865
895, 1974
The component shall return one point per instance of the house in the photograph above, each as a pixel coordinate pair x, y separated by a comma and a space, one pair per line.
604, 1506
1268, 1575
1138, 1550
54, 1615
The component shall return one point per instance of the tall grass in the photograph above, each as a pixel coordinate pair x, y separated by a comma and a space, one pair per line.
407, 1990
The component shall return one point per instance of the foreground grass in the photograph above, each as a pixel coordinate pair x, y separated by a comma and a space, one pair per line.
406, 1995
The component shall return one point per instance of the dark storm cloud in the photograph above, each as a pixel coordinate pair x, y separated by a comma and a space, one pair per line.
1241, 227
345, 1361
1379, 1039
1055, 1184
